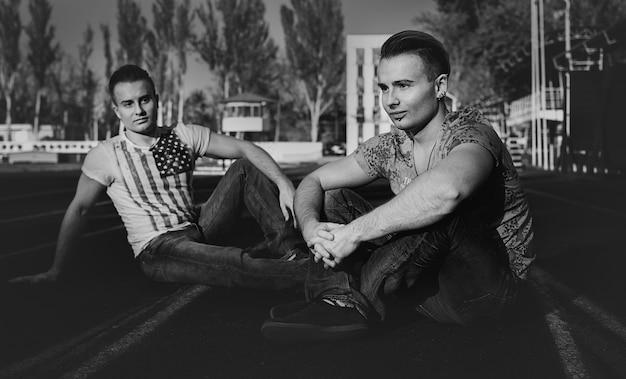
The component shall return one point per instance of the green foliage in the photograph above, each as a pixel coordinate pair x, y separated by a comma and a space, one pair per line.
42, 52
131, 31
10, 32
88, 84
108, 117
481, 34
201, 111
315, 52
160, 45
108, 55
183, 33
237, 45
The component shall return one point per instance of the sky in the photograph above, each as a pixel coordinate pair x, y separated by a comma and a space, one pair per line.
71, 17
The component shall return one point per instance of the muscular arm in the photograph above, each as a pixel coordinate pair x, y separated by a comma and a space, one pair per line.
429, 198
223, 146
309, 198
87, 193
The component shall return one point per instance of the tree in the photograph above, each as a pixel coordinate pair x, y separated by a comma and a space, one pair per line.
160, 53
201, 110
480, 34
131, 31
315, 53
239, 47
10, 31
87, 80
109, 118
62, 103
42, 51
596, 15
455, 25
183, 36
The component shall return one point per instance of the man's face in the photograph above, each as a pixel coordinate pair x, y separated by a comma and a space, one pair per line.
409, 98
135, 103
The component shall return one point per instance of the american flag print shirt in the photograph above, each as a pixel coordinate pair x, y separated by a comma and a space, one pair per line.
150, 186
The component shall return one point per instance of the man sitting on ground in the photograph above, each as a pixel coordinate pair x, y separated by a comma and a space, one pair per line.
456, 236
147, 172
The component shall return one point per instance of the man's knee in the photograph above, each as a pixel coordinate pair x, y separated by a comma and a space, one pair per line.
337, 197
242, 164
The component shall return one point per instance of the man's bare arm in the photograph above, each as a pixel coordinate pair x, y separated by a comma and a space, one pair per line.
87, 193
344, 172
224, 146
431, 196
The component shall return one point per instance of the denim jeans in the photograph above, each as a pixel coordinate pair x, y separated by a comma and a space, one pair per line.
456, 270
197, 255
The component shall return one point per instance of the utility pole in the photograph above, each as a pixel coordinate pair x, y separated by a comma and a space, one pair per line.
567, 97
534, 83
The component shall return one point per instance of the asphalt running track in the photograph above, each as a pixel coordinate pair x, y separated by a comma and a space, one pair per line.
107, 320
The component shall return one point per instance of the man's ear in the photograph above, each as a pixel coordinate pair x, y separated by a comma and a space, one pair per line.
441, 84
117, 112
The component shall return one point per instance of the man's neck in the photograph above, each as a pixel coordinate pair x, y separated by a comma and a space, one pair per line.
142, 139
428, 134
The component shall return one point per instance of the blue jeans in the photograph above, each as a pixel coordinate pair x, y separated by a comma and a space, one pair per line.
456, 270
196, 254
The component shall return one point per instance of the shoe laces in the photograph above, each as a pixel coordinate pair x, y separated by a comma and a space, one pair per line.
337, 303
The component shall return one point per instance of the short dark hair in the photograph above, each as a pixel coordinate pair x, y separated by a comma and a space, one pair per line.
424, 45
129, 73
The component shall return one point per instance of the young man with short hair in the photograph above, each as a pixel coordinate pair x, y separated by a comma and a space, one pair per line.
456, 236
147, 172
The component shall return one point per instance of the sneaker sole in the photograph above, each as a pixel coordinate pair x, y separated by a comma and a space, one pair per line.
297, 333
283, 310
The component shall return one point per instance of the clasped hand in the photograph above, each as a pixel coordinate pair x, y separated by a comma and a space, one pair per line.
331, 243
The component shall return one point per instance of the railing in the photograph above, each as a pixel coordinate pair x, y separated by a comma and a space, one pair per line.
521, 110
60, 147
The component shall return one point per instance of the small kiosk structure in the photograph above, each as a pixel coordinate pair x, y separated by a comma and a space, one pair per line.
246, 112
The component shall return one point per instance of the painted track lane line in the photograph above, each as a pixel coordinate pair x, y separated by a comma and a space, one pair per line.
36, 194
571, 359
593, 310
44, 214
53, 244
128, 341
41, 364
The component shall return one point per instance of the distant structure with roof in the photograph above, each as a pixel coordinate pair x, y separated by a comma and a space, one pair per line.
246, 112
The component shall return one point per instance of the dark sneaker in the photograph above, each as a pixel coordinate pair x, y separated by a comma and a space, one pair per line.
318, 321
283, 310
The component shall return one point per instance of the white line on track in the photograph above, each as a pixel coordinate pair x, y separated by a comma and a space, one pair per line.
80, 344
134, 337
566, 346
593, 310
563, 339
576, 203
52, 244
35, 194
43, 214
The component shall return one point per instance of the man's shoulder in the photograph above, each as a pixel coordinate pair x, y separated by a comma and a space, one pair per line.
187, 131
466, 117
104, 146
393, 138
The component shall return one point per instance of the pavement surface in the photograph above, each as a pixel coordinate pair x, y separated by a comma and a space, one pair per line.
107, 320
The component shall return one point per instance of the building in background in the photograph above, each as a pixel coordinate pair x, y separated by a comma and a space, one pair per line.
365, 116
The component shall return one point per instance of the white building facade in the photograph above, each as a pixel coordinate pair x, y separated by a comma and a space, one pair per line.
365, 116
